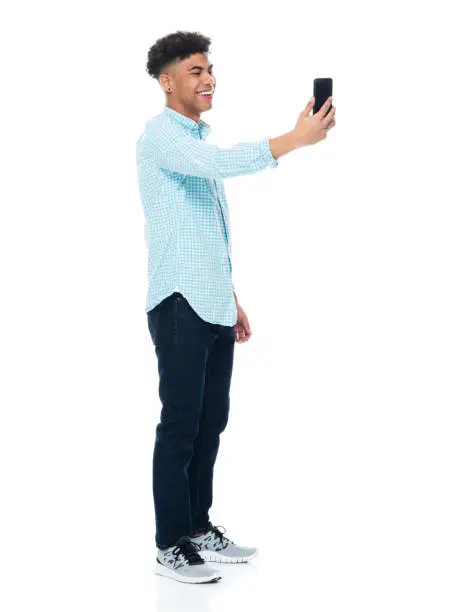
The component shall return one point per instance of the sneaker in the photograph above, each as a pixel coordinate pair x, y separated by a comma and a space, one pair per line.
214, 546
183, 563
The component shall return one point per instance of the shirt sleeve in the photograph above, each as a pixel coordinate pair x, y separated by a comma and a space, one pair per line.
180, 152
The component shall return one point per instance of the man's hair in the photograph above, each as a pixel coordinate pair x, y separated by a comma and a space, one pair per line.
178, 46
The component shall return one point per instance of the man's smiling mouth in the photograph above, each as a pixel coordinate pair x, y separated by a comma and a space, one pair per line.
206, 93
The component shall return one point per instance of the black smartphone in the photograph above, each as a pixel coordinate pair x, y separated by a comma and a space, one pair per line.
322, 90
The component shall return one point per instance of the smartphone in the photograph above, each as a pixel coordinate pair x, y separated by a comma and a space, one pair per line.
322, 90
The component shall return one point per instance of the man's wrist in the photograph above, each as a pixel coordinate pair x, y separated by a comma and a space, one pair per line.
281, 145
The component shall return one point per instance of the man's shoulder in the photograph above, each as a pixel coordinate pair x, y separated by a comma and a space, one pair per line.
157, 125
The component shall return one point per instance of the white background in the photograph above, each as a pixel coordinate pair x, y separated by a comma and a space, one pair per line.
347, 457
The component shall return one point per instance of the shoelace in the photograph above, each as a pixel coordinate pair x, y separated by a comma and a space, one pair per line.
188, 550
219, 534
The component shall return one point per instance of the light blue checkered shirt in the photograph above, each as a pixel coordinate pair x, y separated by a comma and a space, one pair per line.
187, 224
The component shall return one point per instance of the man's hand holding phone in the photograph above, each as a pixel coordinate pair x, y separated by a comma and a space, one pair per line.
310, 129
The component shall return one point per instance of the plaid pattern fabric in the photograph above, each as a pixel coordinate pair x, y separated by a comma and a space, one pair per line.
187, 224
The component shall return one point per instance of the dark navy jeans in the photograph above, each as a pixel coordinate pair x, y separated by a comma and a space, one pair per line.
195, 363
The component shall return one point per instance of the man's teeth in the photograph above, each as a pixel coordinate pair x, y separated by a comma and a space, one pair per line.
205, 93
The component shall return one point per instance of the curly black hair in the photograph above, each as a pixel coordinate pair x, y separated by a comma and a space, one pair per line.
177, 46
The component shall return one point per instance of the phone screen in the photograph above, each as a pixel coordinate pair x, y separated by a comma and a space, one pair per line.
322, 90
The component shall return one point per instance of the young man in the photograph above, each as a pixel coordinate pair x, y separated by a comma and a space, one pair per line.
193, 314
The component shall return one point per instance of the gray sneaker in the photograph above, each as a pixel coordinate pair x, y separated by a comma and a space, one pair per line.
214, 546
183, 563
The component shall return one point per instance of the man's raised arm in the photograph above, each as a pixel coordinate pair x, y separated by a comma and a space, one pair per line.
180, 152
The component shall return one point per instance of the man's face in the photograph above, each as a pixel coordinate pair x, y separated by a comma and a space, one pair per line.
194, 74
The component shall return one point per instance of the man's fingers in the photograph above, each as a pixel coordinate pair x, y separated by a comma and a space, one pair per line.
329, 117
242, 336
325, 106
309, 106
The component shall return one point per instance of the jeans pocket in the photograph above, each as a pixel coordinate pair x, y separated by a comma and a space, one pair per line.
151, 328
175, 317
152, 322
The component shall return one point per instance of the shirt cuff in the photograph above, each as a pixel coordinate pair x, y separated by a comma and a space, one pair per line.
271, 161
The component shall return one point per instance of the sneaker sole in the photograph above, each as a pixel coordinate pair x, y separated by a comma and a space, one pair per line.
213, 555
162, 570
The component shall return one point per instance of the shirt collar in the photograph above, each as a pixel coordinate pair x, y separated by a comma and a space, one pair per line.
189, 124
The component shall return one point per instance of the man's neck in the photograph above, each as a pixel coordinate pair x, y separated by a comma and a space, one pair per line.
180, 109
